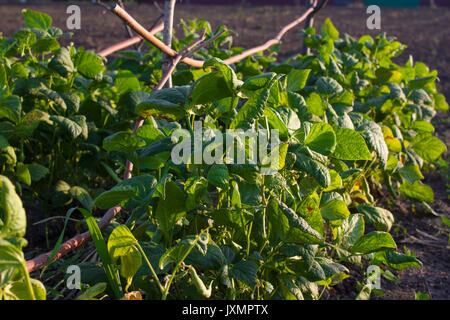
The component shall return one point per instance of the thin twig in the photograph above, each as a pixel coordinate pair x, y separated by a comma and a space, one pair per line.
158, 7
53, 218
100, 3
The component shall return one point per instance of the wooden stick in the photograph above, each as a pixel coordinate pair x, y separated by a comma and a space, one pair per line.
169, 11
150, 37
199, 63
127, 43
40, 261
308, 24
127, 27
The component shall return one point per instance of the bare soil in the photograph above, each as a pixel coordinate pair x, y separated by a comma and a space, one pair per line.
425, 31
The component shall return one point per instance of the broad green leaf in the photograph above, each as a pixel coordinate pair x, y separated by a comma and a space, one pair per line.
350, 145
423, 127
419, 83
143, 186
23, 174
82, 195
149, 134
218, 176
352, 229
420, 96
296, 79
374, 241
120, 242
290, 289
89, 64
392, 143
428, 147
245, 271
417, 191
321, 138
315, 104
37, 171
13, 216
71, 126
46, 45
10, 108
11, 256
289, 118
39, 20
440, 103
380, 218
385, 75
211, 87
124, 141
178, 95
160, 108
253, 108
314, 168
62, 62
173, 255
411, 173
257, 82
113, 197
335, 210
275, 160
375, 139
171, 208
278, 223
275, 122
335, 181
328, 86
230, 76
300, 229
400, 261
126, 81
328, 30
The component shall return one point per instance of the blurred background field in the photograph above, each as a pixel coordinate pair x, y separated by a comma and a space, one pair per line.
424, 30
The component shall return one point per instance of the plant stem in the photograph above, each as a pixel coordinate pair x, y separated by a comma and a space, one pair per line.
151, 268
172, 276
28, 281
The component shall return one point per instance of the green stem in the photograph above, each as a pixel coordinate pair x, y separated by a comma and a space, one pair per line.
151, 268
172, 276
323, 290
28, 281
248, 237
